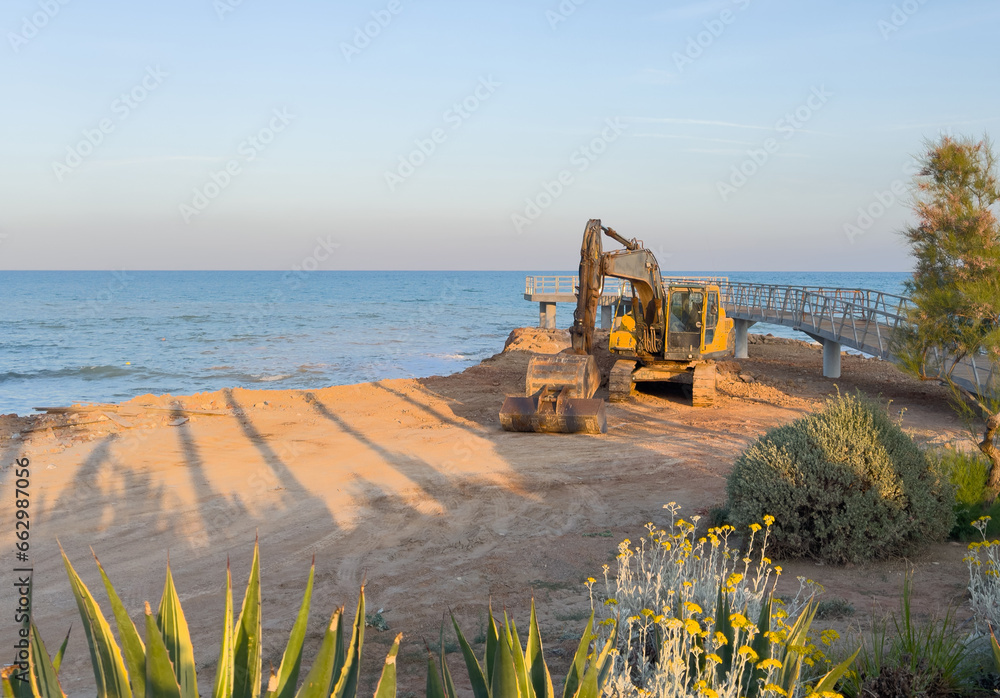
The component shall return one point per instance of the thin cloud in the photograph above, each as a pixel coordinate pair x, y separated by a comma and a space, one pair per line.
694, 122
692, 10
654, 76
708, 122
939, 125
691, 138
161, 158
733, 151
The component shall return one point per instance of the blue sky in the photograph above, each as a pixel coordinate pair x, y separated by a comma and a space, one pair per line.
423, 134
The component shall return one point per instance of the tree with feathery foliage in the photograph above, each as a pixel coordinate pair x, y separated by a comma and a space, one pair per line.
955, 286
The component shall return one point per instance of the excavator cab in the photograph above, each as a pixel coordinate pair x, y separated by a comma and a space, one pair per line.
685, 320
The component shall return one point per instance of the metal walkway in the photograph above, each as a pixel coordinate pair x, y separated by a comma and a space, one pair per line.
857, 318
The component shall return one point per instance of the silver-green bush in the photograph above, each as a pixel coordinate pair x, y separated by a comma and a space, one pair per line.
845, 484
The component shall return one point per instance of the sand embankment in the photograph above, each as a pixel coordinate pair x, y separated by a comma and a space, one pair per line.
408, 483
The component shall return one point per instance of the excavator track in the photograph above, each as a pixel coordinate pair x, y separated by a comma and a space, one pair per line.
703, 386
620, 383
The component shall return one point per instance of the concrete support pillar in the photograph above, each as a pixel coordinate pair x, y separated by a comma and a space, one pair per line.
547, 316
742, 343
606, 312
831, 359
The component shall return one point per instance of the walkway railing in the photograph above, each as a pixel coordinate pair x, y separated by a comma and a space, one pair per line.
864, 319
553, 285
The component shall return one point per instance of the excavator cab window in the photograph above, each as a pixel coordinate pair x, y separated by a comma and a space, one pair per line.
711, 316
684, 331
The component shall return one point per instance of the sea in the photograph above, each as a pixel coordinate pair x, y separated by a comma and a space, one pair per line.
71, 337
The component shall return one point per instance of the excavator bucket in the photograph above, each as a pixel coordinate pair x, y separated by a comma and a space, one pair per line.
558, 398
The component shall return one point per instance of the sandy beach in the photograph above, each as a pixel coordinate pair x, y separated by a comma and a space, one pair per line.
412, 486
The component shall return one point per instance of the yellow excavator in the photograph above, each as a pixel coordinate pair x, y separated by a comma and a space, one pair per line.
672, 332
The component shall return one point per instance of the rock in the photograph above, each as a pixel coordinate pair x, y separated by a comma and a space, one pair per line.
746, 378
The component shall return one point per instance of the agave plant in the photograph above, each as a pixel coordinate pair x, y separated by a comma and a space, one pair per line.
163, 666
513, 671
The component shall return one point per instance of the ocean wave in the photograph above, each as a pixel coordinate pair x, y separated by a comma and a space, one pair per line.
83, 373
457, 356
270, 379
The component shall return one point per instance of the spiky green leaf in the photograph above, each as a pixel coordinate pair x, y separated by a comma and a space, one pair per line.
223, 686
504, 683
541, 679
791, 665
57, 660
387, 682
161, 680
291, 660
449, 685
606, 660
492, 638
762, 647
524, 687
434, 688
247, 642
317, 681
44, 682
177, 638
575, 674
724, 625
996, 649
830, 679
347, 684
13, 686
105, 655
132, 647
477, 678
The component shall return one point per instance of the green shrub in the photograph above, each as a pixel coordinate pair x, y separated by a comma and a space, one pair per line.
845, 485
967, 473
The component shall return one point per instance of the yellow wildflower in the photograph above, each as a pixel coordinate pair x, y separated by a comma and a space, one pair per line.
738, 620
